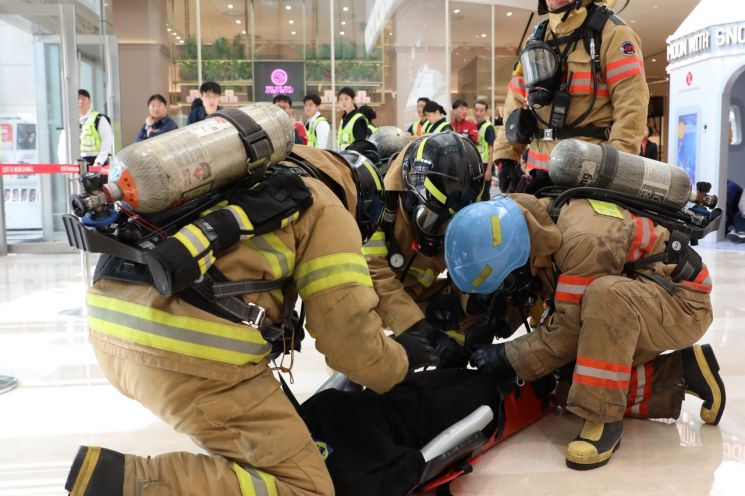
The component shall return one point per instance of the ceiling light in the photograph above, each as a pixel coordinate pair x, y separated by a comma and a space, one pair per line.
391, 33
243, 32
174, 33
181, 42
168, 29
341, 33
343, 23
456, 11
291, 21
293, 33
288, 7
483, 35
509, 14
230, 5
345, 9
238, 21
654, 60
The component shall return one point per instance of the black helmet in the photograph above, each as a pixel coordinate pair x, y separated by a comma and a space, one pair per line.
389, 140
370, 193
367, 149
543, 7
441, 175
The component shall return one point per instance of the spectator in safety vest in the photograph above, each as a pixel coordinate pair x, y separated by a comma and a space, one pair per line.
438, 120
96, 136
485, 142
370, 115
353, 125
317, 126
421, 125
157, 122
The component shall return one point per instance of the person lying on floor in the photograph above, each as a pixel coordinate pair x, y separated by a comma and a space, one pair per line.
377, 444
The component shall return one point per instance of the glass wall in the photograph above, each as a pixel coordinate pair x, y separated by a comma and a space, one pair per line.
391, 52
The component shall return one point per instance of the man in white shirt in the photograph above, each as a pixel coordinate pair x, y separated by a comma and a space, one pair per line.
317, 126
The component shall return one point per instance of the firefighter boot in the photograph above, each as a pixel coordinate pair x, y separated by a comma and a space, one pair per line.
96, 471
594, 446
701, 373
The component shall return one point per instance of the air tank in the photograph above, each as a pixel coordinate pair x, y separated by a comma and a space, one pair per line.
389, 140
576, 163
155, 174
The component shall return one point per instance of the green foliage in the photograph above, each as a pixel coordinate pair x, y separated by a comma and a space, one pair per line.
347, 71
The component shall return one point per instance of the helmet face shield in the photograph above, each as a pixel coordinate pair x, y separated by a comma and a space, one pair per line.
431, 223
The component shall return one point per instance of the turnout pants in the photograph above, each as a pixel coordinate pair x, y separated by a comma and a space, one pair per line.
625, 325
258, 444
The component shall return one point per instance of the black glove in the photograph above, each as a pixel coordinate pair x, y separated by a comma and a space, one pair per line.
492, 360
509, 175
418, 341
289, 340
452, 354
479, 334
537, 180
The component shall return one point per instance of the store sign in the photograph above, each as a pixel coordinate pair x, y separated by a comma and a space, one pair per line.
709, 40
279, 78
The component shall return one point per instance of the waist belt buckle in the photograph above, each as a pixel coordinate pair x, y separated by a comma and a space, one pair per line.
256, 316
548, 135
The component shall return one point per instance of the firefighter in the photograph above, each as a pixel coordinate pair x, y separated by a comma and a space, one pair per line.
208, 376
613, 322
430, 180
591, 88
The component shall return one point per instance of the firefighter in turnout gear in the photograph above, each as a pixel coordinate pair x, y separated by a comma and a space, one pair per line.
613, 321
208, 376
430, 180
593, 88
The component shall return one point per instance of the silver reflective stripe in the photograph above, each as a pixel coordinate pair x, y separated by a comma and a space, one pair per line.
198, 243
641, 378
239, 219
578, 289
179, 334
600, 373
317, 274
263, 245
623, 68
646, 233
260, 488
375, 243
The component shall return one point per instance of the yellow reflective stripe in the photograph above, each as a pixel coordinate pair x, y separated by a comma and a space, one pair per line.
429, 186
236, 345
485, 272
196, 243
496, 231
330, 271
86, 471
289, 219
370, 251
420, 150
457, 336
244, 222
254, 482
378, 235
214, 208
424, 277
374, 173
280, 258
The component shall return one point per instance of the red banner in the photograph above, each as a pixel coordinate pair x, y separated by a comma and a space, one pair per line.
32, 169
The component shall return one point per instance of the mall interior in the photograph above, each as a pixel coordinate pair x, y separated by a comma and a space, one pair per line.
54, 395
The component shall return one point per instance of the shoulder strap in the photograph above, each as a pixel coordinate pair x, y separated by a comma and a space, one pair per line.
313, 171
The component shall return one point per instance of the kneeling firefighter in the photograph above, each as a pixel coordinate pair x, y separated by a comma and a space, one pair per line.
628, 288
196, 353
580, 75
431, 179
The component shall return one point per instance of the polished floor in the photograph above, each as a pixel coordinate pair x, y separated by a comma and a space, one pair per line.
63, 401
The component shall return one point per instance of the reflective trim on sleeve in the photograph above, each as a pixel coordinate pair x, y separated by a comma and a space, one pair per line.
644, 238
330, 271
622, 69
255, 482
190, 336
571, 289
424, 277
197, 244
242, 219
376, 245
640, 390
517, 85
702, 282
280, 258
537, 161
601, 374
582, 84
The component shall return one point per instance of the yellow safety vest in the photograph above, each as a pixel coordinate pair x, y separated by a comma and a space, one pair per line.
90, 140
439, 128
345, 135
482, 144
312, 137
419, 128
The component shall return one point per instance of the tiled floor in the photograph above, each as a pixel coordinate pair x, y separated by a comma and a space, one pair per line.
63, 401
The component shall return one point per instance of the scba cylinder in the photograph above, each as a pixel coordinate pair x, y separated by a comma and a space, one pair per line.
575, 163
158, 173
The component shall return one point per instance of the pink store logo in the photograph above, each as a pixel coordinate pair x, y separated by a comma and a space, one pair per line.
279, 85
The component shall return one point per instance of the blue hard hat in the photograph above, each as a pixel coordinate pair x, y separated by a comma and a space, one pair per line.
484, 243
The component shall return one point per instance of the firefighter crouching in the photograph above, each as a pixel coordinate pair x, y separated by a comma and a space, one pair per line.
208, 377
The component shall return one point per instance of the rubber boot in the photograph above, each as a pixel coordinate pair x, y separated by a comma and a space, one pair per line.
96, 472
594, 445
701, 373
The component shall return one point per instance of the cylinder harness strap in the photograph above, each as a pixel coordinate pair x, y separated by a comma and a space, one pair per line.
253, 136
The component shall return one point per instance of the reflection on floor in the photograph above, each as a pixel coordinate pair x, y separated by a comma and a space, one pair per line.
63, 401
